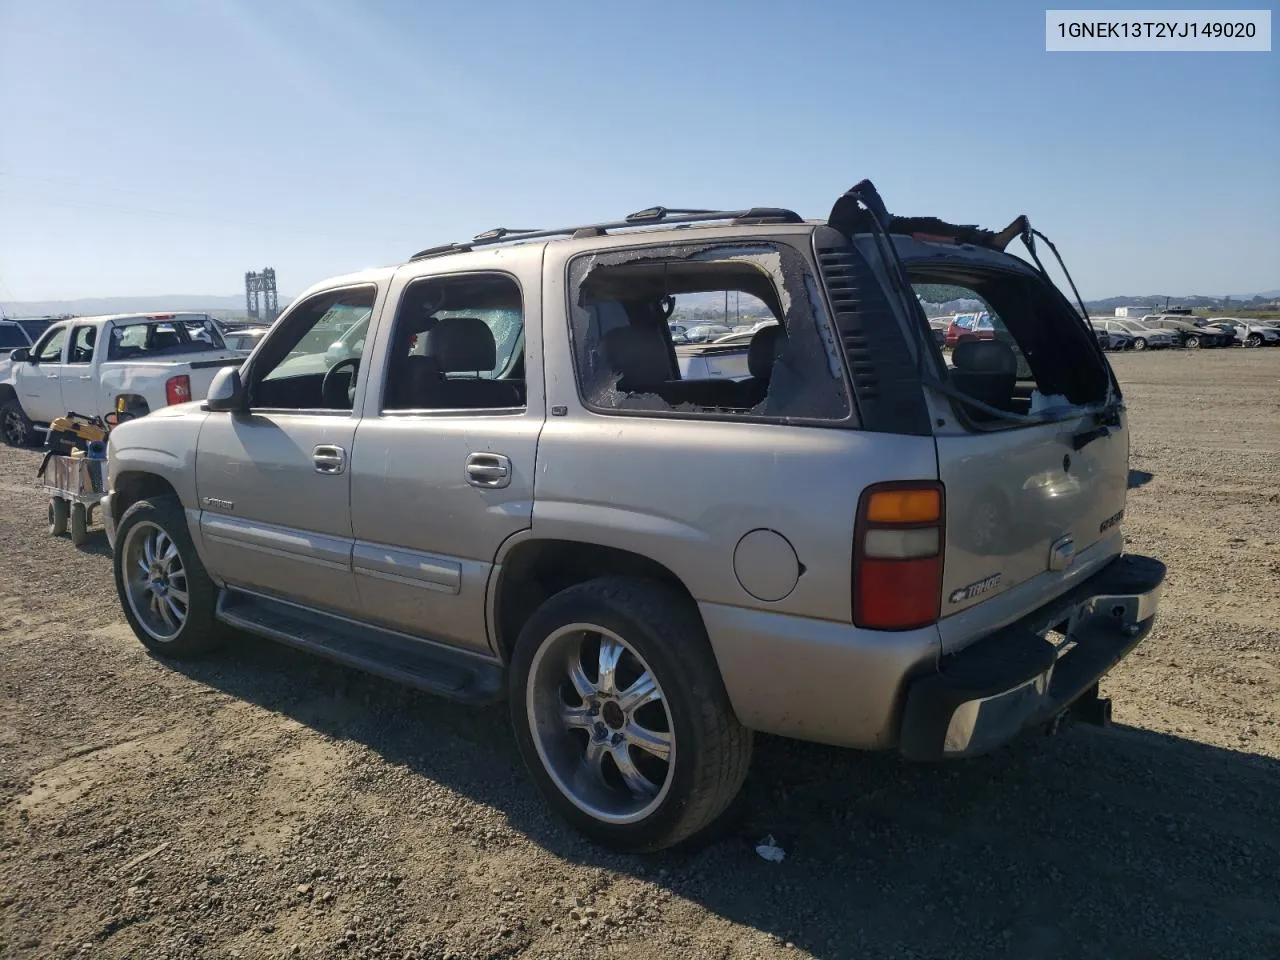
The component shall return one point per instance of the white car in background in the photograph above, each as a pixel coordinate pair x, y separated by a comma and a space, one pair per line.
1250, 333
95, 366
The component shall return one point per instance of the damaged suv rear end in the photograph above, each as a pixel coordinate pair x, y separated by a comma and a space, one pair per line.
924, 545
887, 545
1018, 557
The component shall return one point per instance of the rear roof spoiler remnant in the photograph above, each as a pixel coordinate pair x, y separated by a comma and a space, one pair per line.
850, 218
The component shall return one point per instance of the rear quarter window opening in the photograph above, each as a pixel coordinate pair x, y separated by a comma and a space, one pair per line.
780, 363
1014, 343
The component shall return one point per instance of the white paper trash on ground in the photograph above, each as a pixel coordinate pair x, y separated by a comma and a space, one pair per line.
770, 851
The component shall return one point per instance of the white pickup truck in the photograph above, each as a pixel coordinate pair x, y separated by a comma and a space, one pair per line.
87, 364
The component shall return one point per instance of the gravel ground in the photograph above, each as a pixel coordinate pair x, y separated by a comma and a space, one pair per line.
266, 804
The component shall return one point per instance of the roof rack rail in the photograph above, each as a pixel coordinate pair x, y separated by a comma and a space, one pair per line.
646, 217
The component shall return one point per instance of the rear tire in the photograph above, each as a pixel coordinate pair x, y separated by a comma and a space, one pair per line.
15, 427
1193, 343
621, 715
1140, 343
1253, 340
165, 592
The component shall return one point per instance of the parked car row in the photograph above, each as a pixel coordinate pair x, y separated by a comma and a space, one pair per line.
1151, 332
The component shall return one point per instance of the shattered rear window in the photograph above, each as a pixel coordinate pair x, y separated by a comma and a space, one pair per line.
776, 357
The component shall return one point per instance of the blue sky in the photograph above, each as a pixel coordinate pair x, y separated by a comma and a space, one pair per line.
163, 147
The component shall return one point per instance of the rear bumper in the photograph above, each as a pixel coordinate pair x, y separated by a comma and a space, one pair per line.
1015, 679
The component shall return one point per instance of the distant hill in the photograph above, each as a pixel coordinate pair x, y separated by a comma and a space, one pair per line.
1158, 301
93, 306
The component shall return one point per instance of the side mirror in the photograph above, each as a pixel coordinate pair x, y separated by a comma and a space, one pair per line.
226, 393
21, 354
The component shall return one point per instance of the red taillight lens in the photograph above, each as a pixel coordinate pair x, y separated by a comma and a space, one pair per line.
897, 556
177, 389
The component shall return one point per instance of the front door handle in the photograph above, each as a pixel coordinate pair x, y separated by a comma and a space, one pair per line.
51, 376
329, 458
489, 470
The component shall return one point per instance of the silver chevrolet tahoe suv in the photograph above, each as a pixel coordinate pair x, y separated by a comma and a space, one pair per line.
508, 489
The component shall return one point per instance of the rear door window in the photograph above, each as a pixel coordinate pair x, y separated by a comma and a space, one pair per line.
82, 342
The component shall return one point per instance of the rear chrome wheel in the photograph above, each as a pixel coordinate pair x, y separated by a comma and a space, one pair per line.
621, 714
1193, 343
600, 723
1140, 344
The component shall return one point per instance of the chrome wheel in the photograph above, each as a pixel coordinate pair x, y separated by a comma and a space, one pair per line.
1193, 343
1140, 344
600, 723
155, 581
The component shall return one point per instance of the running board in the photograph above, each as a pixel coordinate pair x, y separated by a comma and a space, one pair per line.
421, 664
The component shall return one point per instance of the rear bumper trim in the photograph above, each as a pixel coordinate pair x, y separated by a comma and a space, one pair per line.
1015, 679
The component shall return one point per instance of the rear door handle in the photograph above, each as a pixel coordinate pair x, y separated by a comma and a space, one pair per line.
490, 470
329, 458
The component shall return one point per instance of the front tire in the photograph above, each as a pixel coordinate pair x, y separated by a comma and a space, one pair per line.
15, 427
621, 715
1253, 340
165, 593
1193, 343
1140, 343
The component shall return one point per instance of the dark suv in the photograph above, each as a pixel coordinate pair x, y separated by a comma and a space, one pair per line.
22, 332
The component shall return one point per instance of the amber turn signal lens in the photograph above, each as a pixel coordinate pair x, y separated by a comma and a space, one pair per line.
904, 506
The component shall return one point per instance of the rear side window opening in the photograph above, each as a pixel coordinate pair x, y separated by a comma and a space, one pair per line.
632, 314
1011, 343
143, 341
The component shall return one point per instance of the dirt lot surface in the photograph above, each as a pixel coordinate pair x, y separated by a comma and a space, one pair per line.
266, 804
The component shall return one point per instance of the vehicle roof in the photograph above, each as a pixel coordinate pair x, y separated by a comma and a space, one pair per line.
498, 255
126, 318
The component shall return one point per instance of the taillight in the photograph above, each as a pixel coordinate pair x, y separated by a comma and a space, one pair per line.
897, 556
177, 389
